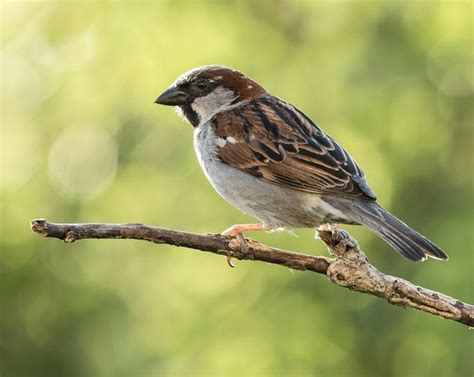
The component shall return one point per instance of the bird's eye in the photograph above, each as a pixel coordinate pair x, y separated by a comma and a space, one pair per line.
202, 84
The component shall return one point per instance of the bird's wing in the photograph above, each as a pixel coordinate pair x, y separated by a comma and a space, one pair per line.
274, 141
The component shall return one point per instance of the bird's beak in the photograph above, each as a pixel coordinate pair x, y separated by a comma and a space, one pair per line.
173, 96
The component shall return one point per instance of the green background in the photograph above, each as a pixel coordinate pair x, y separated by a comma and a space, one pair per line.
82, 141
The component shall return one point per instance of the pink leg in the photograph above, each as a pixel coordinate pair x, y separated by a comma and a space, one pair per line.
237, 229
237, 232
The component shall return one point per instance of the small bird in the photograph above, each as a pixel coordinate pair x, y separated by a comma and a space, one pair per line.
271, 161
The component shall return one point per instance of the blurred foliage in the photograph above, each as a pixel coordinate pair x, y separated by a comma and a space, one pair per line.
82, 141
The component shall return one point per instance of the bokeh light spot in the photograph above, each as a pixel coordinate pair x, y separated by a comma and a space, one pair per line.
19, 148
71, 55
83, 161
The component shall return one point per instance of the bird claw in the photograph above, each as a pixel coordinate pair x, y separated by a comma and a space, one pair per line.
229, 262
326, 228
243, 249
236, 231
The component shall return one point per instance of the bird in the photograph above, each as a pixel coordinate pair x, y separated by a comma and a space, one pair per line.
271, 161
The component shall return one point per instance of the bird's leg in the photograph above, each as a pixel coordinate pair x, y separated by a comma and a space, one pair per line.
237, 232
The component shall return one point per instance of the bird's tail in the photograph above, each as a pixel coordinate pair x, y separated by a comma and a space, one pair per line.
396, 233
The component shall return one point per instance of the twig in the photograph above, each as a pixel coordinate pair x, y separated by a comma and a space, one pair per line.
349, 269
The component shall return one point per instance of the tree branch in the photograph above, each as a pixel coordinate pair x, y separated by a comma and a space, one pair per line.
350, 267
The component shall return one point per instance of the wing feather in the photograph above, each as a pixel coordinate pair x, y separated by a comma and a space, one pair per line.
274, 141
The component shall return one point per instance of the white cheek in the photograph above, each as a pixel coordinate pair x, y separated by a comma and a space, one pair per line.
207, 106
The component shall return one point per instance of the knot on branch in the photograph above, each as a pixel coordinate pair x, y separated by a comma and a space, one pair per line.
351, 268
41, 226
341, 244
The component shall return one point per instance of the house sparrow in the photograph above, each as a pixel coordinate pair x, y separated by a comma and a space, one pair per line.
271, 161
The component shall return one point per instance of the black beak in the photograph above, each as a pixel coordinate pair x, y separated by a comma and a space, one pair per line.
173, 96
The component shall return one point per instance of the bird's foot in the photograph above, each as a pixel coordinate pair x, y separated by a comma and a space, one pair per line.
326, 228
237, 232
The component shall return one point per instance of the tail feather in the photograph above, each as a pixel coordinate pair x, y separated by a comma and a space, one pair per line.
396, 233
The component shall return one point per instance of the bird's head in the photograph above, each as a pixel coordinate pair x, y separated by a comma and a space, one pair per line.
204, 91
